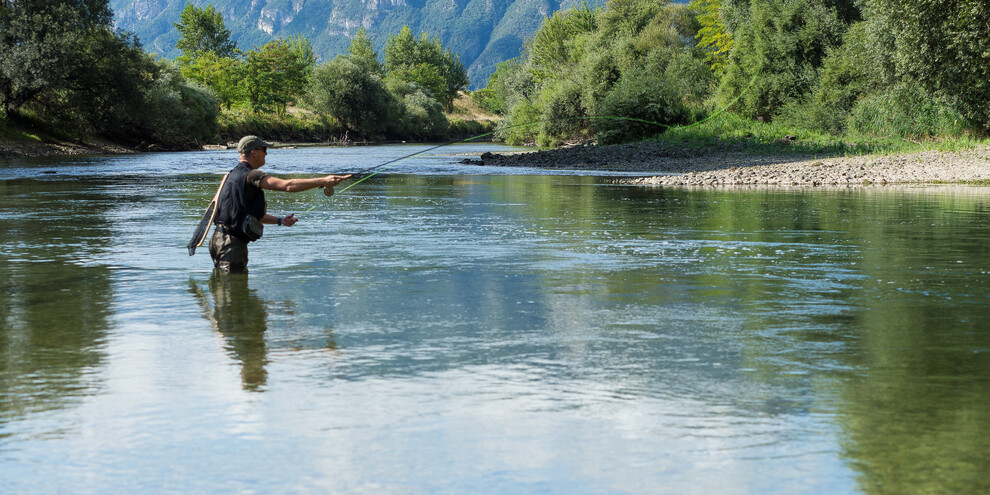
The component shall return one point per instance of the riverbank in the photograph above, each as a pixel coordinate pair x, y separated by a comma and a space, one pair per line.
21, 148
665, 164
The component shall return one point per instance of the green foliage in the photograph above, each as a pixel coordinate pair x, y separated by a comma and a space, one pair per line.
109, 80
82, 78
576, 61
425, 76
942, 44
357, 98
777, 55
465, 129
518, 128
562, 114
847, 75
361, 52
510, 82
278, 73
426, 63
556, 46
906, 110
39, 40
221, 74
488, 99
424, 116
622, 18
688, 75
652, 104
201, 30
713, 36
293, 126
178, 111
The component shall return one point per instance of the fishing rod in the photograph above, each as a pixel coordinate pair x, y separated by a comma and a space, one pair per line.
371, 171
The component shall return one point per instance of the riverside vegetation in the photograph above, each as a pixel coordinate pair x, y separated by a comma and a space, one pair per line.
820, 77
66, 75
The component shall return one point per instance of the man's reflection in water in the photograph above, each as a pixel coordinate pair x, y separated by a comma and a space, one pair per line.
240, 316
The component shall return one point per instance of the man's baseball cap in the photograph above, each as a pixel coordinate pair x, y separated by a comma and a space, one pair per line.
249, 143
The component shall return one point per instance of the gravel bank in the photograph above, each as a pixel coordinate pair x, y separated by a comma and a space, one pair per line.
10, 148
667, 165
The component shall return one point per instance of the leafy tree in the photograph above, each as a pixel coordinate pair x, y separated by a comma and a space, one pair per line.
178, 112
414, 112
201, 30
354, 96
277, 73
361, 52
554, 47
510, 81
943, 44
221, 74
39, 39
561, 113
642, 97
713, 35
424, 62
777, 55
848, 74
209, 57
625, 17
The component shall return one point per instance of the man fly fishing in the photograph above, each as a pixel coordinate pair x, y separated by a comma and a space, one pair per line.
240, 211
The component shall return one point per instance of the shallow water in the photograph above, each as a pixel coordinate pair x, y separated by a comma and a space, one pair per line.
454, 329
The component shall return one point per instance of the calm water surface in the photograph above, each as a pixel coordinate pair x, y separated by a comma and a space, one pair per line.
455, 329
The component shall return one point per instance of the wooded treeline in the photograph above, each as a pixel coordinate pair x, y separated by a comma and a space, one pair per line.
858, 69
63, 65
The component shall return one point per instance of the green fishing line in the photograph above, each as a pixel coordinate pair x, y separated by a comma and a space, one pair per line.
372, 171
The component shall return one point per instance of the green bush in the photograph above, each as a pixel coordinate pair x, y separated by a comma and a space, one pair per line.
488, 100
687, 74
599, 71
563, 116
352, 95
847, 74
776, 56
298, 126
639, 106
521, 126
944, 45
424, 116
179, 113
468, 129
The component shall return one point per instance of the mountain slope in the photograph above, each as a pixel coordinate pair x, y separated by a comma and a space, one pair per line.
481, 32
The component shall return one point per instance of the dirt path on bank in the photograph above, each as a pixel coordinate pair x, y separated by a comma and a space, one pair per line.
10, 148
667, 165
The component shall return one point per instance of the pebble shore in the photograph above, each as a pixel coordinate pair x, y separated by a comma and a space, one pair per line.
666, 165
10, 148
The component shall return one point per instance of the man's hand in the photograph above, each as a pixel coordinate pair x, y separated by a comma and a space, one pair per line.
288, 221
333, 180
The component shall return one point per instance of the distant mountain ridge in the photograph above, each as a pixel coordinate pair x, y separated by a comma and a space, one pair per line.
481, 32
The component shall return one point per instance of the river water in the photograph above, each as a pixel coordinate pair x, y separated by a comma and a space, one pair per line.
443, 328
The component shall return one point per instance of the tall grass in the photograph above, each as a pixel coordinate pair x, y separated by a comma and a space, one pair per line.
731, 131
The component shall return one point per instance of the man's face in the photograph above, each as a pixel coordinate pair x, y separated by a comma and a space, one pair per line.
258, 156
